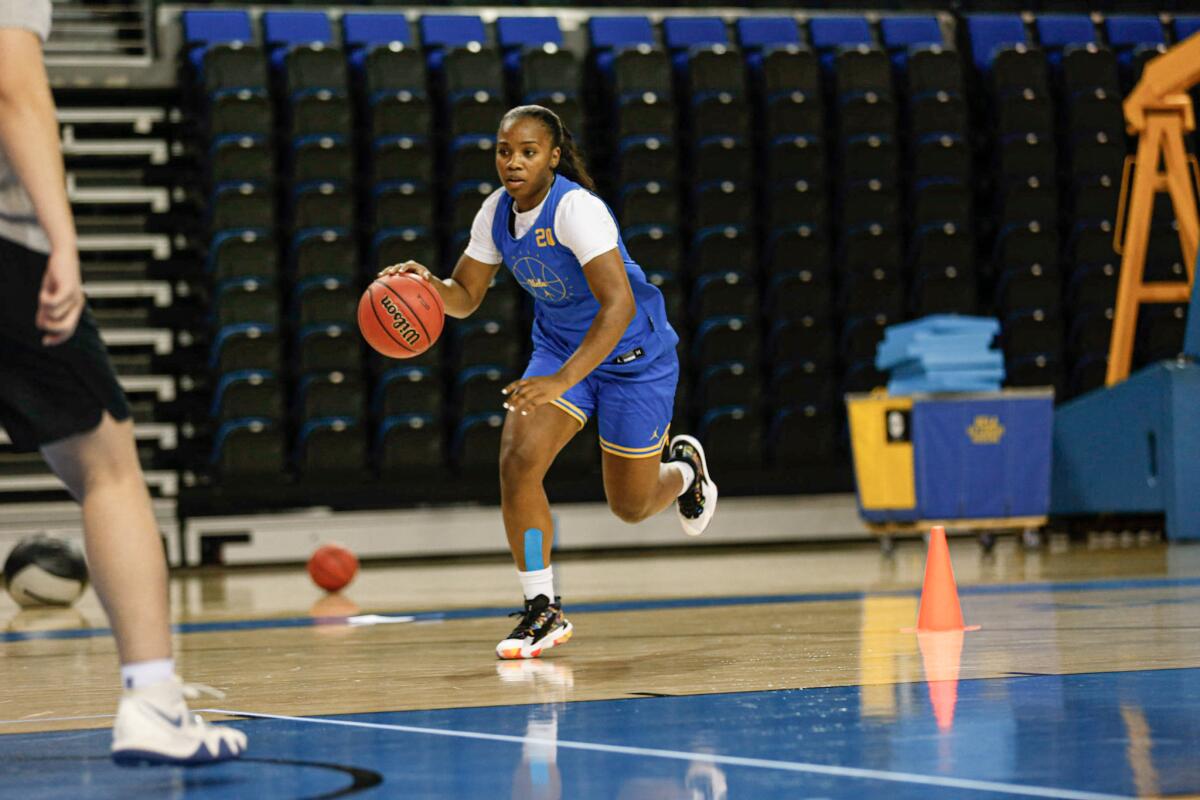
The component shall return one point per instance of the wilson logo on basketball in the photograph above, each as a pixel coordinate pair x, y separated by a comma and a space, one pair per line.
407, 333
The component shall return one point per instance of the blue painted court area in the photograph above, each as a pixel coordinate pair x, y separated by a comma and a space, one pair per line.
1124, 734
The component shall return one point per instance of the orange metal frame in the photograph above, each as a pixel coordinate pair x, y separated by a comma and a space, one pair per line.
1159, 113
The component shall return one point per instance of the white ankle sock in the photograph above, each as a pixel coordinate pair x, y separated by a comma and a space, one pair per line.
686, 471
141, 674
538, 581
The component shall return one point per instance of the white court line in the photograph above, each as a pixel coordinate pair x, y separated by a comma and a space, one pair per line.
55, 719
735, 761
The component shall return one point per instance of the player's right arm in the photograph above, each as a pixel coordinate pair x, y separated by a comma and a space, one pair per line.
29, 136
463, 291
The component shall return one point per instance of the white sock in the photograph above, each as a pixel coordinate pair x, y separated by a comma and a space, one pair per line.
538, 581
686, 471
141, 674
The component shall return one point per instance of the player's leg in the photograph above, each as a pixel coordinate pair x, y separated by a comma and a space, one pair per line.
128, 568
634, 414
124, 550
528, 446
66, 402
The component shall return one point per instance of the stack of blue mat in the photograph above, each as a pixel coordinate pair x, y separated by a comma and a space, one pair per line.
941, 353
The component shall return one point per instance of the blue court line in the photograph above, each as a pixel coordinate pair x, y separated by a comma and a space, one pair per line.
632, 605
679, 755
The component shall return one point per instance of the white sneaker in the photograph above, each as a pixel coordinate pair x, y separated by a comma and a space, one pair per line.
155, 726
698, 502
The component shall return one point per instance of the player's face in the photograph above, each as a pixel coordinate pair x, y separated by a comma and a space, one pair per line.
525, 161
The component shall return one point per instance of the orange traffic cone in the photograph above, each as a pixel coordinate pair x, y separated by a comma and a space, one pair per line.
940, 609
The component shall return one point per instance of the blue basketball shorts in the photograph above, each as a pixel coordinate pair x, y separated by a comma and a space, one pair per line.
633, 409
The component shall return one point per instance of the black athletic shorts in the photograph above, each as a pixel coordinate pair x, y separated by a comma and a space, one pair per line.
48, 393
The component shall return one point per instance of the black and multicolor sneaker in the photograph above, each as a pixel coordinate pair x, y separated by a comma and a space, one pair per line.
698, 502
542, 626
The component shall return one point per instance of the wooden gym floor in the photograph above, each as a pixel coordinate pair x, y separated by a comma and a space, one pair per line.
694, 673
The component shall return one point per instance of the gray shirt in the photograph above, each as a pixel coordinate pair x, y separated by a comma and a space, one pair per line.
18, 218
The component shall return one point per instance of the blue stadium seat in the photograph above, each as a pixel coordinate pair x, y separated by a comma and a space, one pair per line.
542, 71
240, 158
720, 339
245, 300
247, 393
324, 300
320, 204
382, 49
476, 443
476, 389
472, 157
410, 445
802, 434
459, 56
635, 75
656, 248
326, 348
401, 204
400, 157
713, 77
331, 447
1136, 38
994, 34
795, 295
758, 33
732, 383
320, 158
245, 346
408, 390
397, 245
329, 394
646, 158
242, 253
795, 247
736, 431
940, 201
806, 381
303, 52
717, 294
861, 73
323, 251
238, 110
720, 249
222, 52
249, 446
478, 342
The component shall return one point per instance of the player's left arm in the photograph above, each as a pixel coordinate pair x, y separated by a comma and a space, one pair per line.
609, 283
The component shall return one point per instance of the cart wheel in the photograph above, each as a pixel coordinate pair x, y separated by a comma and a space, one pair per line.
887, 545
1031, 538
987, 541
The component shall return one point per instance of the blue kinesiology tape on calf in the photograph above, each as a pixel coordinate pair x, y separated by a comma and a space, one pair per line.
533, 550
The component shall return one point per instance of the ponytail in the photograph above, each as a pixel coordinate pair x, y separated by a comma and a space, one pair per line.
571, 163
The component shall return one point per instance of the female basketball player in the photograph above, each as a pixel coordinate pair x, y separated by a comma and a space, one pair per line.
601, 345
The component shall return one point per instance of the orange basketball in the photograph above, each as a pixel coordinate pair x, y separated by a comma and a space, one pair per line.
332, 566
401, 315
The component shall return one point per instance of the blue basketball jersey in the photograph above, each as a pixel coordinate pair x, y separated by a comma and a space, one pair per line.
565, 307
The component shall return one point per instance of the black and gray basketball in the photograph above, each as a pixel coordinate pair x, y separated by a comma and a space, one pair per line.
44, 571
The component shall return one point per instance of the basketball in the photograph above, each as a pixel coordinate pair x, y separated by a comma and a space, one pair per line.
401, 316
332, 567
44, 571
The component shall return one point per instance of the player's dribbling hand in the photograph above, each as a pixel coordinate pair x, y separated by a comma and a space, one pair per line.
527, 394
60, 301
408, 266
